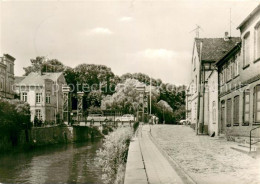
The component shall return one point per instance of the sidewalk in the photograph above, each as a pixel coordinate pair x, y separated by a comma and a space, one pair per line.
157, 167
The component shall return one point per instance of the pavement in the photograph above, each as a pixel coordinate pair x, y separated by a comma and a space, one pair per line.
146, 163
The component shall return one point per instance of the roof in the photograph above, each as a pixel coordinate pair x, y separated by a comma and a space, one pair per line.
233, 51
9, 56
257, 9
18, 79
213, 49
38, 79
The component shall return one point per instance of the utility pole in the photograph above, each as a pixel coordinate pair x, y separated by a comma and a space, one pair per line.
150, 96
230, 21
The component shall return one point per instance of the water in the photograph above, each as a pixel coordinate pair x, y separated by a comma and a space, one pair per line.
72, 163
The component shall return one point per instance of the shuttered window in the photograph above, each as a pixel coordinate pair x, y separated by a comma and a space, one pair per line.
257, 105
229, 108
246, 107
236, 111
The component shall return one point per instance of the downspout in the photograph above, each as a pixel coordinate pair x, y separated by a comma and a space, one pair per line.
203, 100
199, 88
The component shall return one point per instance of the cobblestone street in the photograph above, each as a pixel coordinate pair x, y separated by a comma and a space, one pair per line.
206, 159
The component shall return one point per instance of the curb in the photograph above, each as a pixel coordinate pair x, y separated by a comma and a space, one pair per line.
180, 171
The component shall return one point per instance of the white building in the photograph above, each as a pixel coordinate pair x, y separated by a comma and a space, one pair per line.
44, 94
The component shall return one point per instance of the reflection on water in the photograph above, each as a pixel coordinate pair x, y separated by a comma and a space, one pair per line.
72, 163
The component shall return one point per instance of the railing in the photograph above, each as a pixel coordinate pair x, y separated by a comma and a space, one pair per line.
251, 136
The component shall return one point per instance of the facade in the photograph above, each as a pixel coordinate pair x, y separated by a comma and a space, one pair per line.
6, 76
203, 91
44, 94
239, 75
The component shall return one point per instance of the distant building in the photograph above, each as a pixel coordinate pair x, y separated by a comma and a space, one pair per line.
239, 76
188, 105
203, 90
44, 94
6, 76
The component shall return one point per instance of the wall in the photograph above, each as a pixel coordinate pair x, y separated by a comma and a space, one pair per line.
213, 98
49, 135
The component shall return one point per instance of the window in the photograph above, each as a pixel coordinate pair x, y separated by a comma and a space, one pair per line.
246, 107
246, 50
235, 68
224, 75
236, 111
1, 84
38, 113
195, 110
221, 78
196, 83
229, 107
257, 41
194, 63
24, 97
48, 98
38, 97
214, 112
257, 105
229, 72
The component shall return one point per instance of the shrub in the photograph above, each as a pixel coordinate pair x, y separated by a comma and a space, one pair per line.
14, 116
113, 156
135, 126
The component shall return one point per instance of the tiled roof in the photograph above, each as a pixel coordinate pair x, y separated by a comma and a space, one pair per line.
38, 79
214, 49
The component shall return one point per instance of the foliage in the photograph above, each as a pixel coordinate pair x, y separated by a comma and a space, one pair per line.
14, 116
135, 126
42, 64
94, 110
126, 98
113, 156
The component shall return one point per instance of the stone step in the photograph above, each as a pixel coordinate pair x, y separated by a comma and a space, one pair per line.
253, 148
241, 149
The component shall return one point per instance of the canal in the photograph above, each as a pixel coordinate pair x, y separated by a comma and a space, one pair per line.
72, 163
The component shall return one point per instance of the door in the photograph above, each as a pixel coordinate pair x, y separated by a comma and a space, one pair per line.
222, 118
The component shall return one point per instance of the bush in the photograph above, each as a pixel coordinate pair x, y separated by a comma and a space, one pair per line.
113, 156
135, 126
14, 117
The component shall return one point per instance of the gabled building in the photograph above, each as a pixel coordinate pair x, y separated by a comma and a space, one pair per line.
203, 91
239, 76
44, 94
6, 76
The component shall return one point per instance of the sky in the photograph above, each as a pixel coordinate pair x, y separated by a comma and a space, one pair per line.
151, 37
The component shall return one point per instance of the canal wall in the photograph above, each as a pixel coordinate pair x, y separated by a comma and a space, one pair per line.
40, 136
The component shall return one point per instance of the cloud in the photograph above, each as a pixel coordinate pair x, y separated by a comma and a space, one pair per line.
126, 19
100, 30
158, 54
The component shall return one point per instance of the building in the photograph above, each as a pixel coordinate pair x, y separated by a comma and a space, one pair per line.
188, 105
239, 76
203, 90
6, 76
44, 94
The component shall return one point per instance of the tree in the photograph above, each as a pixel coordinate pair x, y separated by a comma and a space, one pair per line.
42, 64
126, 98
14, 117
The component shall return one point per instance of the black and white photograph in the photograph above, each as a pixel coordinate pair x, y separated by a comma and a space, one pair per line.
129, 91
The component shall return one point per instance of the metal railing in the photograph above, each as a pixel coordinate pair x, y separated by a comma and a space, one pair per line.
250, 141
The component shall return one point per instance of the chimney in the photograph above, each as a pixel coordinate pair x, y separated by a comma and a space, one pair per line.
226, 38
